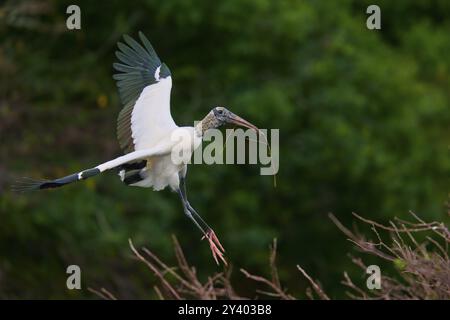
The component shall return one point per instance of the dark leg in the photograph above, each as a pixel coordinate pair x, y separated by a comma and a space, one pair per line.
208, 233
188, 205
188, 212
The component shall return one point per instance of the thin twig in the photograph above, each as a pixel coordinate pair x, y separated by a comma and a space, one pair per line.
155, 271
316, 287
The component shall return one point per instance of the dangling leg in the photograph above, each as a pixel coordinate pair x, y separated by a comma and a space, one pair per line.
188, 205
188, 212
207, 231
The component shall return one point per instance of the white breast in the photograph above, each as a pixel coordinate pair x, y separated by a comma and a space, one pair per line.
163, 171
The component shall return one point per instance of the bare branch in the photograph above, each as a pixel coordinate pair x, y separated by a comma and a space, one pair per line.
316, 287
155, 271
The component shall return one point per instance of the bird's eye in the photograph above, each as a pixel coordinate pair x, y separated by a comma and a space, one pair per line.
219, 111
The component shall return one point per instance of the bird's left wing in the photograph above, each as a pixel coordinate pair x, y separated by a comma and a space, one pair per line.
144, 85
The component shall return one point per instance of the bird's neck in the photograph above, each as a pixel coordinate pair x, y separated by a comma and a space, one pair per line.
207, 122
199, 129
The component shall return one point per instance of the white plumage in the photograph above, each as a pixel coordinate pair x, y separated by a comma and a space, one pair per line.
161, 169
151, 120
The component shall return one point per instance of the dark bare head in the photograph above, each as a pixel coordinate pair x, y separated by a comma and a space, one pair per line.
220, 116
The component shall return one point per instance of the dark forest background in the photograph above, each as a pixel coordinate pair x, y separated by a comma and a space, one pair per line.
363, 118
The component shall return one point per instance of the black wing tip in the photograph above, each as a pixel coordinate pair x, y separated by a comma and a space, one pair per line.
145, 43
142, 36
26, 184
136, 66
127, 38
126, 41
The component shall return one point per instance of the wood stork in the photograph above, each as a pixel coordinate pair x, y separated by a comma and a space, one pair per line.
144, 130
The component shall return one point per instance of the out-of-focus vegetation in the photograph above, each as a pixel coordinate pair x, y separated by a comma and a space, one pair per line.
423, 268
363, 118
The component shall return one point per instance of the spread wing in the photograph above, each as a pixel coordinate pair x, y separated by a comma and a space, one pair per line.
144, 85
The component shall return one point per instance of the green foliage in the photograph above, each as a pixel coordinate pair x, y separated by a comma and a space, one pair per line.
363, 118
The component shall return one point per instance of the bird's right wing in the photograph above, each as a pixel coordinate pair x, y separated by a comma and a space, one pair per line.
144, 84
27, 184
161, 149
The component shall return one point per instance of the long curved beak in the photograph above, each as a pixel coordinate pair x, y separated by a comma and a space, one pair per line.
234, 119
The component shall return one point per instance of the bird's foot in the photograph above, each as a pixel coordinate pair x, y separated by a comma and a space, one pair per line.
215, 245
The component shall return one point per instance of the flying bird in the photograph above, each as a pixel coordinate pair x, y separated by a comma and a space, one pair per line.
145, 131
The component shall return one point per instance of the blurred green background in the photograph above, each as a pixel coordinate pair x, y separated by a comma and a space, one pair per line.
363, 118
